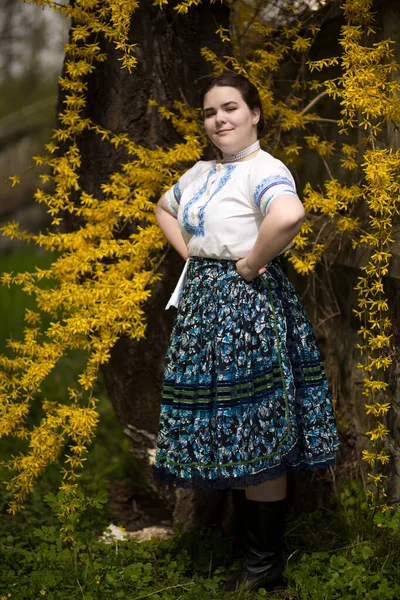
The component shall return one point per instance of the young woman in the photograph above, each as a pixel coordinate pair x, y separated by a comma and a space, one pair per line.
245, 397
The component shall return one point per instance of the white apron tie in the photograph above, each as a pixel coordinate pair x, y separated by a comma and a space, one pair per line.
176, 294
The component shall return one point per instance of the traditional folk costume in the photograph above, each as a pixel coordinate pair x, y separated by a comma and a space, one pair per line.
245, 396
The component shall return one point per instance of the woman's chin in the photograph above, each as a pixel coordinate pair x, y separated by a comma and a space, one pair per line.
225, 148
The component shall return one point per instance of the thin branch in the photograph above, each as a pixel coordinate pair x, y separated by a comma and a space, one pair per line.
314, 296
330, 316
257, 10
80, 587
323, 226
322, 119
327, 167
314, 101
158, 265
333, 295
190, 109
333, 480
164, 589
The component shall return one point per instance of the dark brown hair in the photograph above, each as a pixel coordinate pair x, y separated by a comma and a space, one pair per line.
246, 88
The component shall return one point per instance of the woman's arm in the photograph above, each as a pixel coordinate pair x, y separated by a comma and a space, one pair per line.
281, 224
169, 226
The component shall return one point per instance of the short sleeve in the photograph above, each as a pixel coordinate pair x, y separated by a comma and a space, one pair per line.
268, 181
174, 194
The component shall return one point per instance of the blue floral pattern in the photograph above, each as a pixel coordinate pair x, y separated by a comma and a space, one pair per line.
177, 192
197, 229
245, 395
271, 187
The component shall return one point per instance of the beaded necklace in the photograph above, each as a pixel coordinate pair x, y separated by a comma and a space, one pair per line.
241, 153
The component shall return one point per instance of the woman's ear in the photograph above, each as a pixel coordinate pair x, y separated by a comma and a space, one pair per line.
256, 115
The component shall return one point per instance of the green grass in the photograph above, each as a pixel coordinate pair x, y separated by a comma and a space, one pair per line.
12, 300
331, 564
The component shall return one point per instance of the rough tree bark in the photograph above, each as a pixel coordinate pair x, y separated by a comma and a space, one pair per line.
169, 67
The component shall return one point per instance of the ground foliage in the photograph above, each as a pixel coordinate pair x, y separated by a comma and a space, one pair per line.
97, 284
344, 551
334, 553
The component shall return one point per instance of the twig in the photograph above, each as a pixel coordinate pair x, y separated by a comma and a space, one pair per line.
372, 138
327, 167
322, 120
333, 480
158, 265
80, 587
164, 589
314, 296
338, 311
257, 10
293, 553
320, 232
365, 485
190, 109
314, 101
331, 316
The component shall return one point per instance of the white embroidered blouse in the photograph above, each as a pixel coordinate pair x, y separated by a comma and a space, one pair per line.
220, 207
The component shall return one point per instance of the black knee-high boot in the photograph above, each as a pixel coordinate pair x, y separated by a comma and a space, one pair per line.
239, 514
265, 528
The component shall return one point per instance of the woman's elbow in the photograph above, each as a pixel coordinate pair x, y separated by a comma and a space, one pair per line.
159, 210
299, 216
288, 210
294, 218
160, 203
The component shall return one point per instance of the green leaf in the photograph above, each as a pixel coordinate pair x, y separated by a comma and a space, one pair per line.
322, 555
110, 579
367, 552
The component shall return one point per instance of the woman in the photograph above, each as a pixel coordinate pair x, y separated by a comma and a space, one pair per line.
245, 396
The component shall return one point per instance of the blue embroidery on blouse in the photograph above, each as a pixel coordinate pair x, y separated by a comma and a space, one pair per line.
177, 192
267, 184
198, 229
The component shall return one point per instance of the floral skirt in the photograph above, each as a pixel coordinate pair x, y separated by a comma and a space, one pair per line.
245, 396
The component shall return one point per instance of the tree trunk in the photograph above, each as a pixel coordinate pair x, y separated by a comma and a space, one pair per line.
169, 68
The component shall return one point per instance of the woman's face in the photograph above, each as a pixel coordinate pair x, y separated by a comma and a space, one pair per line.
230, 124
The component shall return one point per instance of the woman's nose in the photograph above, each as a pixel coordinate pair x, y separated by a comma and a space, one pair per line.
220, 118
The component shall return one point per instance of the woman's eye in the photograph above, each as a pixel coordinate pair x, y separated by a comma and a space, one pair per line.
231, 109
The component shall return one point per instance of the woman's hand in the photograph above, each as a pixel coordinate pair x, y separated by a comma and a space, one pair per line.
245, 270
